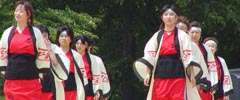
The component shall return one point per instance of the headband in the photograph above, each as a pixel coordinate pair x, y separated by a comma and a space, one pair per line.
212, 42
195, 29
181, 24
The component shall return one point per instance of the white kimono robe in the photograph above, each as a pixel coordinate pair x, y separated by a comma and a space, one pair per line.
61, 71
102, 82
212, 68
200, 60
227, 81
96, 74
42, 60
151, 51
79, 83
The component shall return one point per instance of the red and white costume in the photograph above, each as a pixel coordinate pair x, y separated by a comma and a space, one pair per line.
74, 90
155, 51
97, 75
225, 87
55, 76
23, 57
212, 70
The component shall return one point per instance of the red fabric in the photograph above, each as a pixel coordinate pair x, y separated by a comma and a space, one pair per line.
47, 96
220, 99
22, 43
22, 90
167, 46
168, 89
68, 54
218, 68
89, 98
87, 67
205, 95
70, 95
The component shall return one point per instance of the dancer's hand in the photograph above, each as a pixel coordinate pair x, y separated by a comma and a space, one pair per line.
192, 77
147, 79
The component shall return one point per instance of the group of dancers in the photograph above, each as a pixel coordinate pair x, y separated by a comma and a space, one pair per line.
180, 66
36, 69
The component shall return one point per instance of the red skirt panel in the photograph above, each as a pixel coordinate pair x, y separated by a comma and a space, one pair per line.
22, 89
168, 89
47, 96
71, 95
89, 98
205, 95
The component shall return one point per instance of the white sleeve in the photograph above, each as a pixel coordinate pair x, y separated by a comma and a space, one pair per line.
62, 70
42, 60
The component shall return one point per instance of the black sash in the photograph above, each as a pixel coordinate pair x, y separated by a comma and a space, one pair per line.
48, 84
21, 66
89, 88
169, 66
70, 83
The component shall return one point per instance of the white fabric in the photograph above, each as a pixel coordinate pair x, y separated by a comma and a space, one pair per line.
80, 85
186, 55
198, 29
104, 80
212, 68
181, 24
58, 69
211, 43
197, 55
42, 60
227, 82
60, 72
96, 74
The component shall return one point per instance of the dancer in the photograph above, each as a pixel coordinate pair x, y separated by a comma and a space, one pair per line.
23, 53
205, 93
225, 87
98, 82
58, 72
168, 75
77, 78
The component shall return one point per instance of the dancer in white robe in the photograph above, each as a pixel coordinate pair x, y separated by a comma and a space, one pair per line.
225, 87
158, 53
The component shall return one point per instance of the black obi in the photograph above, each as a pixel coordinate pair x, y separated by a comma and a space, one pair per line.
21, 67
89, 88
48, 84
70, 83
169, 66
219, 93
